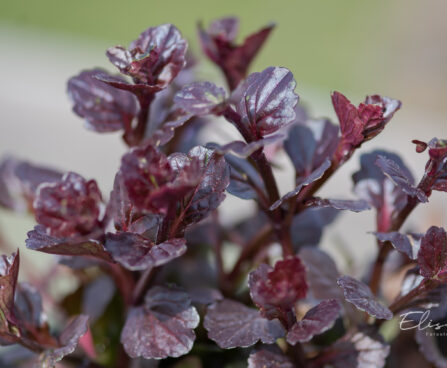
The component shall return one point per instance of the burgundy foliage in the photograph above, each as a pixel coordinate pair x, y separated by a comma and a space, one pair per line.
218, 43
159, 271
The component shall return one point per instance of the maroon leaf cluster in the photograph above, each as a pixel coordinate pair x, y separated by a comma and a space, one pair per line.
161, 272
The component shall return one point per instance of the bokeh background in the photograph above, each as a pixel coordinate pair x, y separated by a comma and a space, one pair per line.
393, 47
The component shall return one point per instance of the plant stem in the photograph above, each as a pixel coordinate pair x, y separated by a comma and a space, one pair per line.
402, 302
267, 175
387, 247
137, 135
263, 238
142, 285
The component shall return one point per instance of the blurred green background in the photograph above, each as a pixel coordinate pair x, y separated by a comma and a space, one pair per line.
358, 47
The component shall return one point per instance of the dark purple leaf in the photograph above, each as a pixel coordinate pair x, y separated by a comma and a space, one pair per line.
68, 207
432, 256
231, 324
358, 349
212, 180
307, 227
408, 244
28, 309
137, 253
313, 176
205, 295
359, 294
339, 204
19, 181
9, 271
97, 296
200, 98
316, 321
362, 123
166, 130
266, 101
163, 327
245, 180
378, 190
104, 108
38, 239
276, 290
155, 58
309, 144
269, 356
242, 149
321, 273
218, 44
392, 170
68, 341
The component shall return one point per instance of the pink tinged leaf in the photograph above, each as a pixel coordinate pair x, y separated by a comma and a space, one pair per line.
200, 98
269, 356
339, 204
144, 171
104, 108
88, 345
351, 126
316, 321
68, 341
137, 253
432, 256
408, 244
39, 239
420, 145
313, 176
231, 324
359, 294
321, 273
266, 101
163, 327
392, 170
362, 123
69, 207
276, 290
